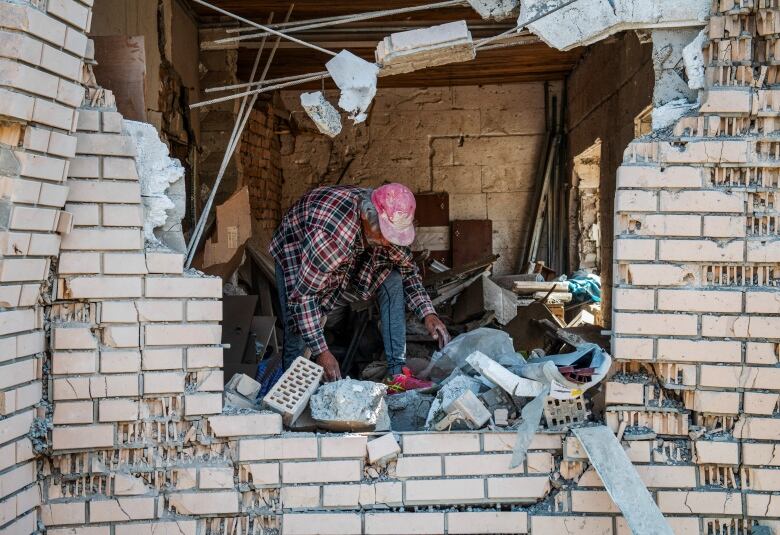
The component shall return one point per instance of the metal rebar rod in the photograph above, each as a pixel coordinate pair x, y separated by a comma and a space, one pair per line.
280, 25
238, 130
311, 25
265, 89
264, 82
264, 28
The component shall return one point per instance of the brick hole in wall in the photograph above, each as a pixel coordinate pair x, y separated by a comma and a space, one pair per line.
150, 478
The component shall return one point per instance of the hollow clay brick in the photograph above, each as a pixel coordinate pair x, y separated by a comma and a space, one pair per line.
290, 395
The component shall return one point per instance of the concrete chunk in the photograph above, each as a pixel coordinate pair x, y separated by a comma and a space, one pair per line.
588, 21
466, 407
348, 405
326, 118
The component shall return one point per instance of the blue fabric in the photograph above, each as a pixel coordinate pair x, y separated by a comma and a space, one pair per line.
271, 380
585, 288
392, 317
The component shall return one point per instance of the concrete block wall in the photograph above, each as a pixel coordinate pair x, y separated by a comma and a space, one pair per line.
42, 46
696, 271
479, 143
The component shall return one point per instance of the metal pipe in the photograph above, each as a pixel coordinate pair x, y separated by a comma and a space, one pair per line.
266, 89
265, 82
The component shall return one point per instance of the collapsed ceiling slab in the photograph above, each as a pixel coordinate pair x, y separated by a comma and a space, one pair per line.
585, 22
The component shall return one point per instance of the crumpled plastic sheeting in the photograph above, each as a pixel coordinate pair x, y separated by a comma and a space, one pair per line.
545, 370
156, 172
492, 342
356, 78
531, 416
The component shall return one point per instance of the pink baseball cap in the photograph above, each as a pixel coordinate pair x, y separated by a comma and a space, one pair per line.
395, 207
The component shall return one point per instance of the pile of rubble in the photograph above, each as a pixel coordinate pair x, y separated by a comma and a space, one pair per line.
478, 381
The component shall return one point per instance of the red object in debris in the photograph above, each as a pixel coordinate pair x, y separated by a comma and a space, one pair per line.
402, 382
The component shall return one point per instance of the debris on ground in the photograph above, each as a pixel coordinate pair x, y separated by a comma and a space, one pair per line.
409, 410
241, 393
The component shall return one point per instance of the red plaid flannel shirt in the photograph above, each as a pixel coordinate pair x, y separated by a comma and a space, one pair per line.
319, 247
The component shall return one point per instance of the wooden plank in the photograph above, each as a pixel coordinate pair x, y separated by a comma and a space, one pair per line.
471, 240
527, 63
433, 209
530, 287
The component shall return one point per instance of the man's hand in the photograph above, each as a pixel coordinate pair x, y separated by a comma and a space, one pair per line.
331, 365
437, 330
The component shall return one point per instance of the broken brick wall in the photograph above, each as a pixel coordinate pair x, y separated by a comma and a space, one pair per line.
610, 86
697, 266
41, 59
259, 167
479, 143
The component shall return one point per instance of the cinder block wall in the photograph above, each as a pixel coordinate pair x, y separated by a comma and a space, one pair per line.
479, 143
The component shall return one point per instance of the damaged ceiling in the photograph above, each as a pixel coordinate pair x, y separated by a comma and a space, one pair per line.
530, 61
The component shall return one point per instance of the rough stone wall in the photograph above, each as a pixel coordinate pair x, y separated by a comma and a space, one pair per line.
479, 143
696, 325
41, 50
259, 166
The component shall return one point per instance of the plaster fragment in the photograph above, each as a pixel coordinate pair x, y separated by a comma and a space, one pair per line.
356, 78
693, 56
157, 172
669, 113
